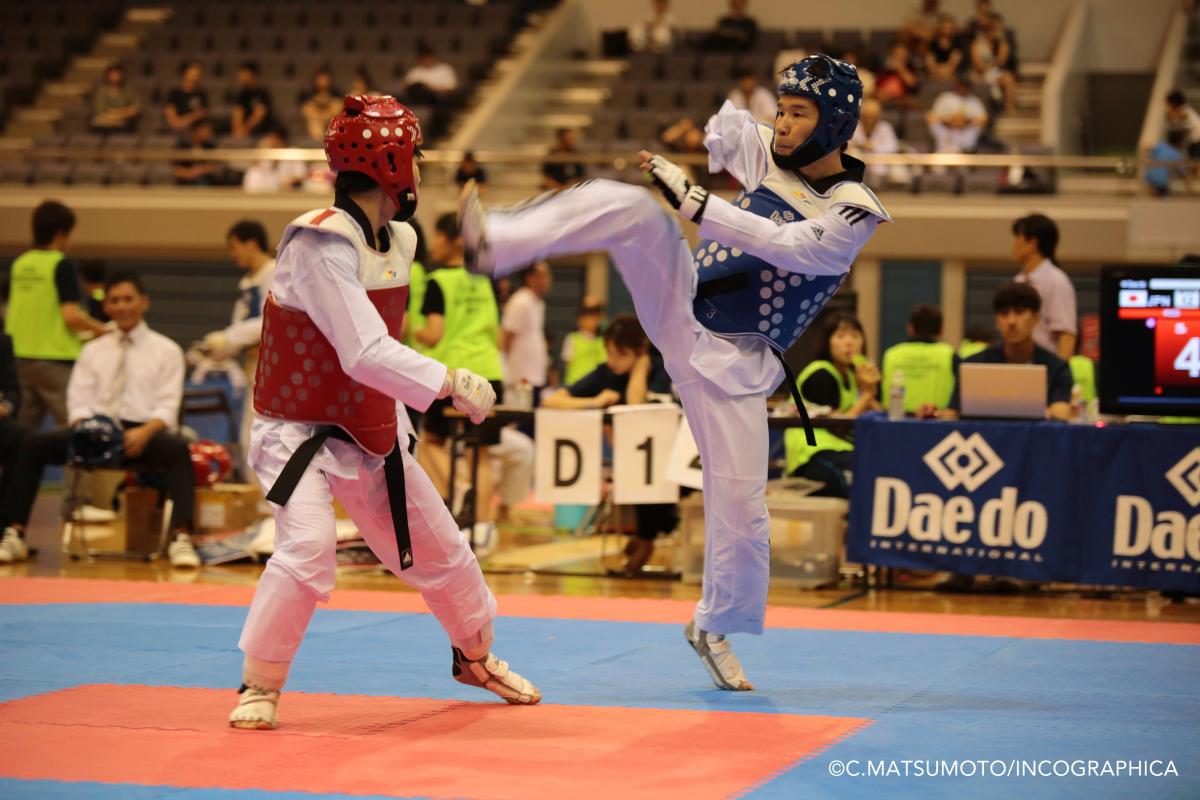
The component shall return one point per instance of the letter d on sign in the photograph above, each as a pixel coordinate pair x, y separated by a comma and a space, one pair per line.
567, 464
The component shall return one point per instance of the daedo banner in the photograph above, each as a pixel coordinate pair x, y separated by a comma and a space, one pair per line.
1039, 501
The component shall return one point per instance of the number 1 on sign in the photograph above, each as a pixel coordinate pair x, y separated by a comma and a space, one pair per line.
647, 447
1188, 359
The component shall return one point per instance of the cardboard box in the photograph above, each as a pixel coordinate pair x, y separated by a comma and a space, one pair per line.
143, 519
227, 507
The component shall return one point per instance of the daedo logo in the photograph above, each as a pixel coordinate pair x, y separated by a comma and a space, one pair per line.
966, 464
1141, 531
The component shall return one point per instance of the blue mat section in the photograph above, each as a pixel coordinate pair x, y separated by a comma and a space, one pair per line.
930, 697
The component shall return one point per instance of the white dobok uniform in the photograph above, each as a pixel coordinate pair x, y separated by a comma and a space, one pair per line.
723, 382
325, 269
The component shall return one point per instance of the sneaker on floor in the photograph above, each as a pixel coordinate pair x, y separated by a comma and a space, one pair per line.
182, 553
494, 675
482, 537
12, 547
472, 221
722, 665
86, 513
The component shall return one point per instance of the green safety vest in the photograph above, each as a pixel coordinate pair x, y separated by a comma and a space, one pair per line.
1083, 372
35, 320
797, 450
587, 353
928, 369
967, 348
472, 323
418, 279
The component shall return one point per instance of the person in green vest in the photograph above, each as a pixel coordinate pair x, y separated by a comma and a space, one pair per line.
583, 348
925, 364
462, 330
842, 379
977, 339
46, 317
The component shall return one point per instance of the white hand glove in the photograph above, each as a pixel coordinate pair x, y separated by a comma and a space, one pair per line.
471, 394
685, 197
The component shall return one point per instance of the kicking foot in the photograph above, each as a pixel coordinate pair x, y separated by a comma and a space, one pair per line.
494, 675
722, 665
472, 222
255, 710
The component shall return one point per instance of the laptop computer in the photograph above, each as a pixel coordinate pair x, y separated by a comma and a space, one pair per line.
1012, 391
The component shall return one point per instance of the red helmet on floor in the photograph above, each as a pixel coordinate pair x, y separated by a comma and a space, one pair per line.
210, 462
377, 136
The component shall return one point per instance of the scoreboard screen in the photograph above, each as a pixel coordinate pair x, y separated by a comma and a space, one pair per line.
1150, 340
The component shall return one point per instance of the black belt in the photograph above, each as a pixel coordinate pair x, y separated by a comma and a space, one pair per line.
732, 283
393, 476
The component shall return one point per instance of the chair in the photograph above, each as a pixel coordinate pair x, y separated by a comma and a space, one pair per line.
213, 402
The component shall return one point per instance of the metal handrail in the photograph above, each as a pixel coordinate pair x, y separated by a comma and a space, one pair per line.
619, 159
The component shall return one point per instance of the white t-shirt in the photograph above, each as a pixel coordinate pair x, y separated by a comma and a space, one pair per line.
1058, 303
525, 318
948, 104
440, 77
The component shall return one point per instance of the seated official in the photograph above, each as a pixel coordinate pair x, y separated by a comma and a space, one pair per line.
924, 365
12, 435
1018, 307
134, 376
842, 379
626, 377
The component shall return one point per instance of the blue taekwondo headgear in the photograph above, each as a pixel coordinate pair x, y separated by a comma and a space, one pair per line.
96, 442
835, 87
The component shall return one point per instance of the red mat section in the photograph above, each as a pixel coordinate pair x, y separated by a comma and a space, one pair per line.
402, 747
615, 609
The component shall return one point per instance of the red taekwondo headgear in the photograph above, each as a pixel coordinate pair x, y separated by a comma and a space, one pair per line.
379, 137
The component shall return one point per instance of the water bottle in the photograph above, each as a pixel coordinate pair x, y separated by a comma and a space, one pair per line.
896, 396
1077, 404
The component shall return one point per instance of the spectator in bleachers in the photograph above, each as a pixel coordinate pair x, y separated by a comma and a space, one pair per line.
523, 330
983, 14
843, 380
430, 80
990, 55
626, 376
850, 56
251, 114
1171, 150
750, 95
115, 107
655, 35
925, 364
197, 172
362, 84
133, 376
1182, 117
320, 103
945, 57
1017, 307
736, 31
957, 119
876, 135
683, 136
897, 82
560, 175
923, 22
1035, 240
187, 102
274, 176
469, 169
46, 315
583, 349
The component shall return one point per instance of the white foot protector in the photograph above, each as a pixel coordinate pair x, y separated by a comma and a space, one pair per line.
256, 709
472, 221
494, 675
717, 657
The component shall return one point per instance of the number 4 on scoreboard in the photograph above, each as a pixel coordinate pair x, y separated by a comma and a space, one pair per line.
1188, 359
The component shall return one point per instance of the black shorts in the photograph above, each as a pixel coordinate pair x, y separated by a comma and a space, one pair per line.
435, 424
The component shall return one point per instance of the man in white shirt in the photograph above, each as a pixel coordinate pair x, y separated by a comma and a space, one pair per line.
751, 96
1035, 238
247, 243
957, 119
133, 376
523, 331
437, 77
723, 314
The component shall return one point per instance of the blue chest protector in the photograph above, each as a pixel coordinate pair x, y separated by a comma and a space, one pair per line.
741, 295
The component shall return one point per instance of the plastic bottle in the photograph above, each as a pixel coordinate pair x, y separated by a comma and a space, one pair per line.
896, 396
1077, 405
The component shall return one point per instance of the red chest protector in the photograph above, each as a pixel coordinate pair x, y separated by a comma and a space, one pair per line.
299, 377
